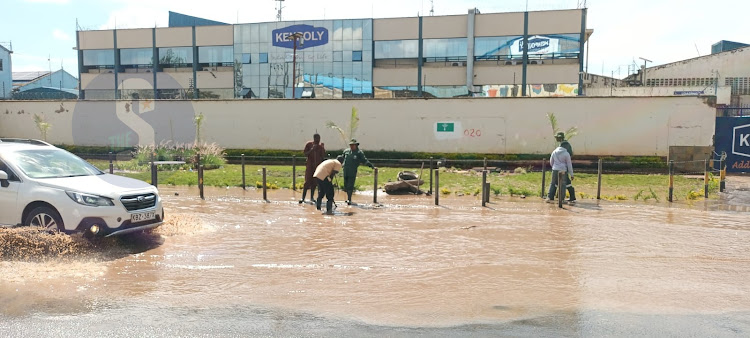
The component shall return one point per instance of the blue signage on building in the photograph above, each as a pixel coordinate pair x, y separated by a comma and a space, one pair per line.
733, 139
311, 36
535, 44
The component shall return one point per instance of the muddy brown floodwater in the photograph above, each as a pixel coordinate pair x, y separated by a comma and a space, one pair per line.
233, 265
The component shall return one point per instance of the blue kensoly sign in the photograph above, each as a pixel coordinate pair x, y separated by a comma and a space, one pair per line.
733, 139
536, 44
311, 36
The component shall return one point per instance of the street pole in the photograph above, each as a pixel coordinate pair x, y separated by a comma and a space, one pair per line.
294, 37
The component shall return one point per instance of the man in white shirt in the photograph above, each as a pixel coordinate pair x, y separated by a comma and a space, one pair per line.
559, 160
324, 174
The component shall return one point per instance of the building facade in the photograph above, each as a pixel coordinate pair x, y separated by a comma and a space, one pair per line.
6, 77
705, 75
495, 55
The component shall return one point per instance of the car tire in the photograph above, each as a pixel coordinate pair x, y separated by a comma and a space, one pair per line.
45, 218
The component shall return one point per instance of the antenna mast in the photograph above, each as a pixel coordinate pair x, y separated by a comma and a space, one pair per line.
278, 9
432, 7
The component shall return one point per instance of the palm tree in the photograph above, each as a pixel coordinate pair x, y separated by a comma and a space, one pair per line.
569, 134
353, 125
42, 125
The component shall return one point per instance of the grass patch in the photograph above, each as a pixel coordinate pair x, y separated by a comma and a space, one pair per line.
467, 182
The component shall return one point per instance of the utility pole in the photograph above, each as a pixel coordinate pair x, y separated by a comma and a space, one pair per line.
643, 76
278, 13
295, 37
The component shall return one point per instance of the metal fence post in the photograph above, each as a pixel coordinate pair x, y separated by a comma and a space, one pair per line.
544, 177
243, 172
671, 180
599, 181
722, 175
487, 192
437, 184
200, 180
484, 188
485, 163
294, 173
111, 165
265, 196
154, 173
705, 180
375, 188
560, 188
430, 175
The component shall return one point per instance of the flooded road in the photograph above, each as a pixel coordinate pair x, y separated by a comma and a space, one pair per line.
234, 265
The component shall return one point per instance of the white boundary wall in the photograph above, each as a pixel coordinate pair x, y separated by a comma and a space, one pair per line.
618, 126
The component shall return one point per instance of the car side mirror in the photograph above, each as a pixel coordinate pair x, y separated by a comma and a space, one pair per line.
4, 179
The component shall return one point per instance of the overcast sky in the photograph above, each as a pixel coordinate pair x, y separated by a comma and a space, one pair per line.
664, 31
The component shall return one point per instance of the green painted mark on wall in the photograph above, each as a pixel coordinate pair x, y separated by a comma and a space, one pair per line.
447, 127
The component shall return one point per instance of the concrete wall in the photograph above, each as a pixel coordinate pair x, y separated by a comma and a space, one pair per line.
724, 92
96, 39
438, 27
607, 126
135, 38
396, 29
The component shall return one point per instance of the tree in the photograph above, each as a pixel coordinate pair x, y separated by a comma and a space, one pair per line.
42, 125
569, 134
237, 78
353, 125
198, 124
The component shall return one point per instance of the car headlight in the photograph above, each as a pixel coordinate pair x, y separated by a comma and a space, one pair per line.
90, 200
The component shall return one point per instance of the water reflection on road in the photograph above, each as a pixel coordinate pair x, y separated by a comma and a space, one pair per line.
234, 265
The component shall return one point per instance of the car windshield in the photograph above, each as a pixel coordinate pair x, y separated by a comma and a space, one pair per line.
52, 163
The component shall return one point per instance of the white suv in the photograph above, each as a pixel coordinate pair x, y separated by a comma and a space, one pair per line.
45, 186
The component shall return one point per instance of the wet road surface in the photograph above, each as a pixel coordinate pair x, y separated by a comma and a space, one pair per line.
234, 265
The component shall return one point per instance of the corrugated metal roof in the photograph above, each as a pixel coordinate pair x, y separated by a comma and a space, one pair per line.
28, 76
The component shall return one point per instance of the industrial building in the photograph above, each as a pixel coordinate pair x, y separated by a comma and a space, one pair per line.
704, 75
475, 54
6, 79
44, 85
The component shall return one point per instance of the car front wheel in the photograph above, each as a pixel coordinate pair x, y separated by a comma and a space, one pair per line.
45, 218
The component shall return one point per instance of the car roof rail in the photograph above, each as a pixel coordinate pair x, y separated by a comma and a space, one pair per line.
24, 140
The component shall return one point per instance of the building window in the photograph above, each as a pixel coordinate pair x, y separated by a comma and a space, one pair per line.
397, 49
136, 57
441, 50
216, 56
357, 55
263, 58
176, 57
1, 65
246, 59
99, 57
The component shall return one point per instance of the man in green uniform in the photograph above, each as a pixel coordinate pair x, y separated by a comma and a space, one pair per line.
353, 157
562, 142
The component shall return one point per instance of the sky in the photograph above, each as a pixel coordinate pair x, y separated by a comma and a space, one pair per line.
42, 32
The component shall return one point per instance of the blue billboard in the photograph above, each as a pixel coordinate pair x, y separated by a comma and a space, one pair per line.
733, 139
311, 36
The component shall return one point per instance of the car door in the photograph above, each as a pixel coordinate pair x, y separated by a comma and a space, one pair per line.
9, 213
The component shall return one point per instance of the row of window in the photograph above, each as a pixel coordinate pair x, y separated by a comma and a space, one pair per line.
165, 94
484, 47
695, 81
246, 58
168, 56
740, 85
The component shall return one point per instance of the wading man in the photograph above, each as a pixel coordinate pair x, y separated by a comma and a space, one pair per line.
324, 174
353, 157
562, 142
315, 152
560, 161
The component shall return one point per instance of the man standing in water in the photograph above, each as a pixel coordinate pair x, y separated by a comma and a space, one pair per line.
560, 161
324, 174
315, 152
560, 138
353, 157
